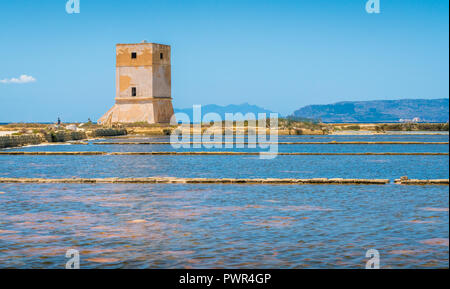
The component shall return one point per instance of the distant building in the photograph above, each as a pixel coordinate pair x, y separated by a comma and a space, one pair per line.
72, 127
414, 120
143, 84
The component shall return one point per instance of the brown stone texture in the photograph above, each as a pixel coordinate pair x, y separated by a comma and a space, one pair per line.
173, 180
149, 76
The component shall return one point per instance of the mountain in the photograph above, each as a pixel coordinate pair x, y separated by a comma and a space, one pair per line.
427, 110
221, 110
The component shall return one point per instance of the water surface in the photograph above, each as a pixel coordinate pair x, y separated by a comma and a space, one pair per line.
227, 226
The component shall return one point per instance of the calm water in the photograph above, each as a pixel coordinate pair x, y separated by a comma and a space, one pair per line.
227, 226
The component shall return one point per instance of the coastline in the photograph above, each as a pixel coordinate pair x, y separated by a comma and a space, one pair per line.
26, 134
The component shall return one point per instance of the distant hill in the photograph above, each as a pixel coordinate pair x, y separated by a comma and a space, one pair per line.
427, 110
221, 110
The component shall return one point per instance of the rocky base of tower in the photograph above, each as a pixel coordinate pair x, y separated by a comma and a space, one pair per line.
131, 110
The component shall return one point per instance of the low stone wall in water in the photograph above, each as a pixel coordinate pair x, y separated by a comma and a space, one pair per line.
20, 140
55, 136
108, 132
63, 136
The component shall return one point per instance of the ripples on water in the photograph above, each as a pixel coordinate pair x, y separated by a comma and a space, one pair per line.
223, 226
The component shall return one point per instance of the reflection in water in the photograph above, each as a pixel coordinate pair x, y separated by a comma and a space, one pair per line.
227, 226
220, 226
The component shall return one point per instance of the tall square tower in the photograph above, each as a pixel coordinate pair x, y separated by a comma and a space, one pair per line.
143, 84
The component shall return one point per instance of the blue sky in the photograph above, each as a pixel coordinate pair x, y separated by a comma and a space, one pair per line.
280, 55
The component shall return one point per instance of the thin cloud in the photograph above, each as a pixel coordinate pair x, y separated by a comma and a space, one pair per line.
22, 79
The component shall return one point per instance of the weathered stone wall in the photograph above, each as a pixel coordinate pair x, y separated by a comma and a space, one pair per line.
149, 72
163, 110
145, 67
130, 76
129, 111
63, 136
31, 139
108, 132
19, 140
170, 180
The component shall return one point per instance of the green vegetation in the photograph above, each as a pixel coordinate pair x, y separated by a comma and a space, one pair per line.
352, 127
63, 136
412, 127
299, 124
167, 131
54, 134
32, 133
108, 132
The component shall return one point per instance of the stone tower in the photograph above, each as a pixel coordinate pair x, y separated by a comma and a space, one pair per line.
143, 85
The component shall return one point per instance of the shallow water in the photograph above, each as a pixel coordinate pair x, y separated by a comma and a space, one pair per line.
389, 167
226, 226
181, 226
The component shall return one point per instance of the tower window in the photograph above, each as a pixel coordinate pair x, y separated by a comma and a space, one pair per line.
161, 56
133, 55
133, 91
